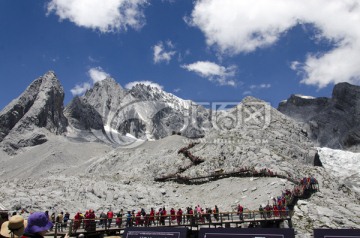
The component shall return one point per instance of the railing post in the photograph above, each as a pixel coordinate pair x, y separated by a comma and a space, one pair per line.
70, 227
55, 234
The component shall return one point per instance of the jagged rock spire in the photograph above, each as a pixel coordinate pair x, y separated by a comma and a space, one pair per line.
39, 106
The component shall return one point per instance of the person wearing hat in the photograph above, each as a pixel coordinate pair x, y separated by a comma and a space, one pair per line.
37, 226
4, 217
14, 227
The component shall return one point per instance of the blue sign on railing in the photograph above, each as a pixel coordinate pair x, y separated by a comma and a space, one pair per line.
246, 233
155, 232
336, 233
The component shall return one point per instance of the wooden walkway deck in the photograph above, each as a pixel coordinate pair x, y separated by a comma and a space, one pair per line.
226, 220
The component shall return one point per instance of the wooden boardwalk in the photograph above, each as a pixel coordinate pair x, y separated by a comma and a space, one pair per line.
193, 222
302, 190
225, 220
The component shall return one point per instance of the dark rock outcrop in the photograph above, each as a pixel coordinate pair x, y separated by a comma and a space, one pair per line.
303, 108
82, 115
331, 122
39, 106
317, 161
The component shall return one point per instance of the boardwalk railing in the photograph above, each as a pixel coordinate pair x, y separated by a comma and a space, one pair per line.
224, 219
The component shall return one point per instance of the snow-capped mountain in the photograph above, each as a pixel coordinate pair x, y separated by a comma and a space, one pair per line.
141, 113
72, 168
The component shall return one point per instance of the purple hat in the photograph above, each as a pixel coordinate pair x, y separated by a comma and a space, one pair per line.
38, 222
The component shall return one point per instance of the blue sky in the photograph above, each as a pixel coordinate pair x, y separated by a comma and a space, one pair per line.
206, 50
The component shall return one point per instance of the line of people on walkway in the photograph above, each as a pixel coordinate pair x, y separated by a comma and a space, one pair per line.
142, 218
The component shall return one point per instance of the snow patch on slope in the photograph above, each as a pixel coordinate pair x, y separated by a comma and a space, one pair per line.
343, 164
304, 96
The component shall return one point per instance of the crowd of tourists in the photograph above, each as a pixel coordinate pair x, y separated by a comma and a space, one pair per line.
143, 218
39, 222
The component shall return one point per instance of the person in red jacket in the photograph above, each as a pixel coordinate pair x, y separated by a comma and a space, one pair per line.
92, 220
179, 216
173, 215
191, 215
110, 216
276, 211
240, 212
162, 216
77, 221
152, 216
138, 218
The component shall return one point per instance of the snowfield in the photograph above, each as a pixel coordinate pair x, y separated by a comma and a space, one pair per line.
345, 165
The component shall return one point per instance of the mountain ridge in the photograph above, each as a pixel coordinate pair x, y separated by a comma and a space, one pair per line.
331, 122
114, 115
85, 168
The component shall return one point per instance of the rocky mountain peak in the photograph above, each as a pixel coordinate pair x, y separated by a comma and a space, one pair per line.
39, 106
147, 92
106, 87
143, 112
302, 108
331, 122
346, 95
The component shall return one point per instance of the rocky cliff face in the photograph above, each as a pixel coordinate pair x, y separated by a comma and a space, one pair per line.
143, 112
39, 106
331, 122
303, 108
82, 115
173, 114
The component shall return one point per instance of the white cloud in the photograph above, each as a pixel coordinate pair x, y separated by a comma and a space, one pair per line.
80, 89
176, 90
243, 26
295, 65
163, 52
213, 72
260, 86
247, 93
93, 60
97, 74
105, 16
182, 56
256, 88
145, 82
265, 85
